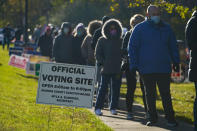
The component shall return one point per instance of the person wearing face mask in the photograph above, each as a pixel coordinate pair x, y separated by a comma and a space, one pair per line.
46, 43
63, 45
97, 34
79, 35
86, 49
131, 76
152, 50
108, 55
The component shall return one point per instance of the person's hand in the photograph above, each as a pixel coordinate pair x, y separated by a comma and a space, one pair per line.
176, 67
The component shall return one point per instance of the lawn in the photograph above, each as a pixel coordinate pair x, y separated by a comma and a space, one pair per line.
182, 97
19, 111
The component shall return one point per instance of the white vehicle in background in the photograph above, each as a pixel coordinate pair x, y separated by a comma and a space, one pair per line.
1, 36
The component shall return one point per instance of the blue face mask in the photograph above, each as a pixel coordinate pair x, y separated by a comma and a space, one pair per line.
79, 33
155, 19
66, 30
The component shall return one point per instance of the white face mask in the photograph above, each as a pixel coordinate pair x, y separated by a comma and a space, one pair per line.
66, 30
155, 19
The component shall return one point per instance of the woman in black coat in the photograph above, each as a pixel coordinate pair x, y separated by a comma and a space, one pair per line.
79, 35
191, 39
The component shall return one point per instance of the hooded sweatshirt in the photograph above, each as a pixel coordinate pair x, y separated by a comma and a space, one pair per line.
62, 46
77, 42
108, 49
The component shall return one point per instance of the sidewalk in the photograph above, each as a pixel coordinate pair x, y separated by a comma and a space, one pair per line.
119, 122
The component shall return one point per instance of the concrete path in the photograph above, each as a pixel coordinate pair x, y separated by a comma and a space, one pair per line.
119, 122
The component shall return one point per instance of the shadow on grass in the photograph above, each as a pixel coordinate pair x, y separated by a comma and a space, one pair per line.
1, 64
28, 77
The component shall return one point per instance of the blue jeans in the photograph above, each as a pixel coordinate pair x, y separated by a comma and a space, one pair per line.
115, 80
195, 109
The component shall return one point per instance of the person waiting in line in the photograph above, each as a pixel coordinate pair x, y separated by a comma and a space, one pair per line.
191, 39
152, 50
7, 36
46, 43
131, 76
79, 35
62, 51
97, 34
19, 33
108, 55
86, 49
37, 33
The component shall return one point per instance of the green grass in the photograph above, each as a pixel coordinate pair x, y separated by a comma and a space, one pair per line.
19, 111
182, 97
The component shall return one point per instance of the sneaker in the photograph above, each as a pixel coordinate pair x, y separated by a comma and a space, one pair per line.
113, 112
98, 112
172, 124
151, 123
129, 116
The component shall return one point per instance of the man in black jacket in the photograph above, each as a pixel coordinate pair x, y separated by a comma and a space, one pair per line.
131, 76
46, 43
62, 47
7, 36
191, 39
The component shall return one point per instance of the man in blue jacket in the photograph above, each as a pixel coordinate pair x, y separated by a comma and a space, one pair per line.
152, 50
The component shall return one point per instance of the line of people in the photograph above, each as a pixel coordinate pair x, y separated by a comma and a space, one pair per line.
148, 48
151, 48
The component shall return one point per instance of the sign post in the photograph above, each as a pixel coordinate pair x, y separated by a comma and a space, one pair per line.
66, 85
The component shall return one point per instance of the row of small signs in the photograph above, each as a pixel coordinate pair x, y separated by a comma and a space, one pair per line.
31, 63
30, 49
26, 57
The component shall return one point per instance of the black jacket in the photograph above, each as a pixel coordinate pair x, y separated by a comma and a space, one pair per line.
98, 32
124, 51
63, 49
108, 49
191, 39
96, 36
125, 44
7, 32
46, 43
77, 55
18, 34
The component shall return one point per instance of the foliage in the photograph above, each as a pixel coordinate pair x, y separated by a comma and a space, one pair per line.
75, 11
